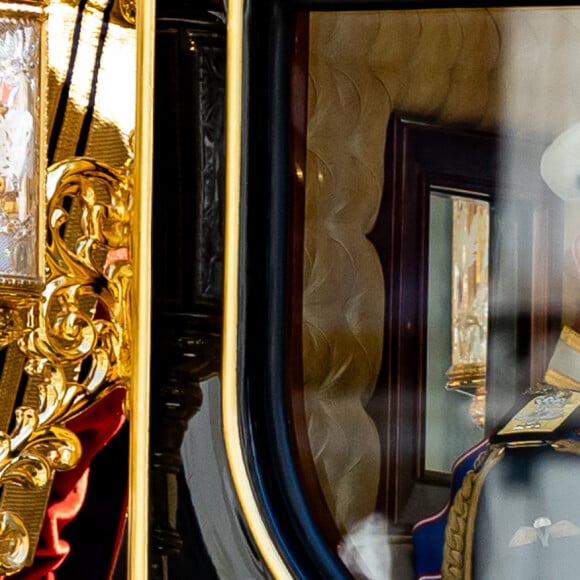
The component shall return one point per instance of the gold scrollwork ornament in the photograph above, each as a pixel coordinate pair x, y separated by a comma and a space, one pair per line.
76, 338
14, 543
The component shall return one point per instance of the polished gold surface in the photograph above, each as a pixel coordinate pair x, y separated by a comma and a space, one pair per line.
81, 321
231, 427
27, 4
89, 81
477, 406
128, 9
74, 341
466, 376
138, 522
12, 528
23, 7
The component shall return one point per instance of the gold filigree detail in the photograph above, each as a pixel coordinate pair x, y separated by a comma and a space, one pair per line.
84, 317
11, 324
76, 337
128, 10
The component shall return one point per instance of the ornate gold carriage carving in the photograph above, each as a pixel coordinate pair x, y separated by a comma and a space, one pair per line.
75, 338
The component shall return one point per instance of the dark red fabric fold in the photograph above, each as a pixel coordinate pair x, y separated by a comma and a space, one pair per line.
95, 428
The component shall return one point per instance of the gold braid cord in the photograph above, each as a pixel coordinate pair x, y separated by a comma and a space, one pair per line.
460, 529
75, 339
458, 546
455, 532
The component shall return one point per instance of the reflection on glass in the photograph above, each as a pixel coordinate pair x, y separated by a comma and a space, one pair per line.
502, 72
19, 135
469, 292
453, 223
469, 300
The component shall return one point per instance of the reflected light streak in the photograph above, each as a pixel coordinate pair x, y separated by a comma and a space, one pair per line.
115, 100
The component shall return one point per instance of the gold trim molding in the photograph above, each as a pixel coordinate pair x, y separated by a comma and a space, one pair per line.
230, 412
138, 517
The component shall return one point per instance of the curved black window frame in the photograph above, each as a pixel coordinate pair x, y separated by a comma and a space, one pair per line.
264, 271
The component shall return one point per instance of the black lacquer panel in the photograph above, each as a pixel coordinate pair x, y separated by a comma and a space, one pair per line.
188, 207
189, 165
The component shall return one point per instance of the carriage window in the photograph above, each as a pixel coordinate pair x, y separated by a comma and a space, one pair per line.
439, 264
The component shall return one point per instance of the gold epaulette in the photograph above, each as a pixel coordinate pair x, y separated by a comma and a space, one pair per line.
558, 397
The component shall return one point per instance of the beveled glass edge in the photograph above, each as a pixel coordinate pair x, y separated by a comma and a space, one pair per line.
138, 515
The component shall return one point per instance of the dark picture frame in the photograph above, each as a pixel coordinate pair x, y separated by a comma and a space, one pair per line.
524, 312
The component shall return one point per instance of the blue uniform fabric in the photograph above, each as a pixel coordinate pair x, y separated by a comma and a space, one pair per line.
429, 533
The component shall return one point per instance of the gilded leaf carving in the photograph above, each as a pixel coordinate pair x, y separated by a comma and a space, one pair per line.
75, 336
